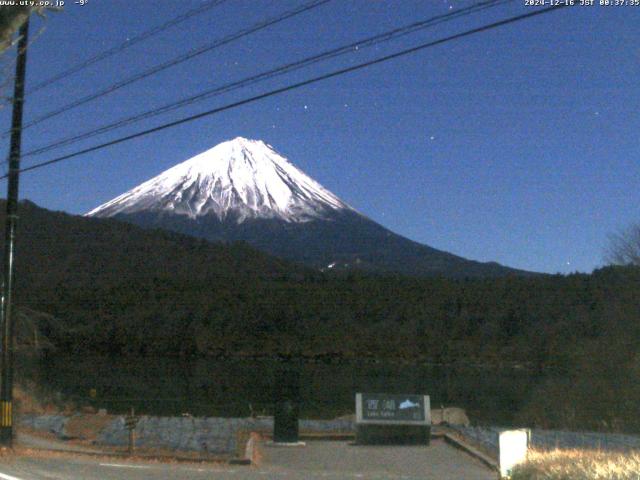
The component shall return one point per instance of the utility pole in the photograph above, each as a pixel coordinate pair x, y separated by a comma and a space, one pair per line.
6, 321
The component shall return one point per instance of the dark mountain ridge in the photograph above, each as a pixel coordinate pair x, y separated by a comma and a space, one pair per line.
344, 240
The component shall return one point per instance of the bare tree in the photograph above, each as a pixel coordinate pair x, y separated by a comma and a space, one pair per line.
11, 19
624, 247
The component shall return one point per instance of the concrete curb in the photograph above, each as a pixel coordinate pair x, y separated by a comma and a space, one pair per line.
311, 436
457, 441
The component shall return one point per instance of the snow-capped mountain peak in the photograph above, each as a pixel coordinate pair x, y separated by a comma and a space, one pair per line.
237, 179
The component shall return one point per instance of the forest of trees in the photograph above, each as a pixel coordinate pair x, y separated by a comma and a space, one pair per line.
104, 286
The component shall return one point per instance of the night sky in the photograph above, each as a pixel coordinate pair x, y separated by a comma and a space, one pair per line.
517, 145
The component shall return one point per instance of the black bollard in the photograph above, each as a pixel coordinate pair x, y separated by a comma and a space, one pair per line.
286, 402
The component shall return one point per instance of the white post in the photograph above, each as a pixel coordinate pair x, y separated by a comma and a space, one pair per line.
513, 446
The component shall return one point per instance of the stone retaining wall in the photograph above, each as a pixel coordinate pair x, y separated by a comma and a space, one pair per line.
220, 435
207, 435
46, 423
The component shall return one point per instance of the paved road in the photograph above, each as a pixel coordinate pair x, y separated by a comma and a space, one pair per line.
333, 460
318, 460
86, 468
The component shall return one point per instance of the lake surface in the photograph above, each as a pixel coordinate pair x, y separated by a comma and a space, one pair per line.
212, 387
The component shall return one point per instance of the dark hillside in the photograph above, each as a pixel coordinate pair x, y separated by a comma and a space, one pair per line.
101, 286
346, 241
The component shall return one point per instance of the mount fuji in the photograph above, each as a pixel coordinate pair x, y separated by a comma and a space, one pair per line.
243, 190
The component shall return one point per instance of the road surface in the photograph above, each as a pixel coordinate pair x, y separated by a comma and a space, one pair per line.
318, 460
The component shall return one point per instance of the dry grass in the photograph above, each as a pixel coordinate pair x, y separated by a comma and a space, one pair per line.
27, 399
578, 465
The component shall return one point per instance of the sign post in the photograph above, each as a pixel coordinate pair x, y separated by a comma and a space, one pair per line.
131, 421
392, 419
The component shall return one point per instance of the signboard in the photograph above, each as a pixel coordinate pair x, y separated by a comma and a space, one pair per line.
391, 409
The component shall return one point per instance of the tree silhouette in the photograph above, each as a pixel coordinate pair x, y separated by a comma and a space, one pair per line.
624, 247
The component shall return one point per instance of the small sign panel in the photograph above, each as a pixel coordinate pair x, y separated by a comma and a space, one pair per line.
385, 408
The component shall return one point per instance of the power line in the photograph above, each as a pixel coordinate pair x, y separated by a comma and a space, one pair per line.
294, 86
332, 53
182, 58
126, 44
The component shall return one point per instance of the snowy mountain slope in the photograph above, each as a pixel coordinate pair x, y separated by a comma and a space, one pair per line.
238, 179
243, 190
